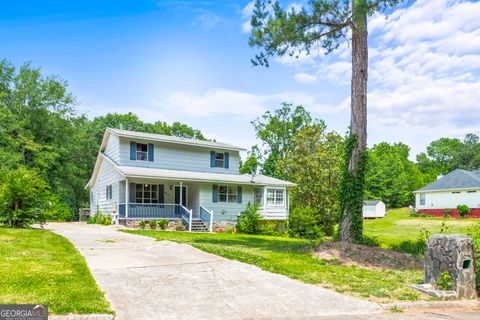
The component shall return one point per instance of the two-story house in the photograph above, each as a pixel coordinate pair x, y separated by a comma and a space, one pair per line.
151, 176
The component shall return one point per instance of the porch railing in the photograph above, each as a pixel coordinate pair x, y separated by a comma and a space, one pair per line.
207, 217
151, 210
186, 216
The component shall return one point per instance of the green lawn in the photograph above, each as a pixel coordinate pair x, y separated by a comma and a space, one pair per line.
398, 227
292, 257
40, 267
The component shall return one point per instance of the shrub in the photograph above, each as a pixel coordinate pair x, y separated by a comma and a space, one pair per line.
162, 224
474, 233
446, 212
463, 210
91, 220
444, 281
107, 220
229, 229
60, 212
249, 220
25, 198
152, 224
179, 226
142, 224
302, 224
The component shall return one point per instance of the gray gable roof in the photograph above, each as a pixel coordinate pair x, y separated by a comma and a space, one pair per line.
173, 139
457, 179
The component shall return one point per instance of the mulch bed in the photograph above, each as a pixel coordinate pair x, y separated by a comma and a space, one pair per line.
364, 256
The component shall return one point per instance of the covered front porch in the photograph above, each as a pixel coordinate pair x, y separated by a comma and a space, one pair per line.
152, 199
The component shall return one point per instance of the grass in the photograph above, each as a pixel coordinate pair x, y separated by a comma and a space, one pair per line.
398, 227
40, 267
293, 258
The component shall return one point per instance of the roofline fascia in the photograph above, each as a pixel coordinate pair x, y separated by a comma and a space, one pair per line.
443, 190
204, 180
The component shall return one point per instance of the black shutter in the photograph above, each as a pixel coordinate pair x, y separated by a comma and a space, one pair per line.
133, 150
161, 193
212, 159
214, 193
131, 191
226, 160
239, 194
150, 152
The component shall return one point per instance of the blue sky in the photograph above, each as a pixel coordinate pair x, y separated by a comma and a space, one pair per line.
189, 61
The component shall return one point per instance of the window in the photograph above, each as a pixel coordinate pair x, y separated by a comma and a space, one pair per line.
456, 192
258, 196
219, 160
146, 193
109, 192
422, 199
275, 197
227, 194
142, 151
471, 191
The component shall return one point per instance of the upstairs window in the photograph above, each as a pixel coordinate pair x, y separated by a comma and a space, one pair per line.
422, 199
142, 151
275, 197
219, 159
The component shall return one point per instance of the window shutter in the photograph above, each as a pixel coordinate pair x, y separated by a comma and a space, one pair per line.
150, 152
161, 193
214, 193
133, 150
212, 159
226, 160
131, 191
239, 194
106, 192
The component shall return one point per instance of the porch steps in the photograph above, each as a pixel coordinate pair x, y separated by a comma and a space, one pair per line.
199, 226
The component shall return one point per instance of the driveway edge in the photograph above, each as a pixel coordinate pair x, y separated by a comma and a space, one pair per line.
462, 304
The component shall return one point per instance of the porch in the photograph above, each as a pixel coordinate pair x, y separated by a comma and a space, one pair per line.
148, 199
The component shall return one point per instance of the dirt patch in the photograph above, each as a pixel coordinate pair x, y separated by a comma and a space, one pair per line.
369, 257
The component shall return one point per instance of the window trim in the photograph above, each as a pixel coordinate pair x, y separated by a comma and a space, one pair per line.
143, 193
275, 191
262, 198
141, 152
227, 194
218, 161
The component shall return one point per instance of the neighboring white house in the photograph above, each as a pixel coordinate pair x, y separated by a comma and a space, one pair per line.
457, 187
373, 209
150, 176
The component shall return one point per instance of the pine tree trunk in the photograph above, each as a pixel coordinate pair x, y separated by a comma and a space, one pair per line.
351, 225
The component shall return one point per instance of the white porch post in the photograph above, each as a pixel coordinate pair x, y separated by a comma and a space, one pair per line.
127, 192
190, 222
211, 221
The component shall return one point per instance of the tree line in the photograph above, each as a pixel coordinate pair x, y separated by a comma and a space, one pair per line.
48, 150
296, 147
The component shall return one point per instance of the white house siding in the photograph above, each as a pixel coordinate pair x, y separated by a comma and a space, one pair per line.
107, 175
178, 157
447, 199
112, 149
224, 211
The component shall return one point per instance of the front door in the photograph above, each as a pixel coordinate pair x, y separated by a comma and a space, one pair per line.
184, 195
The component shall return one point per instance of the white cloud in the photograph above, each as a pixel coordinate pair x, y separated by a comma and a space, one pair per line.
424, 69
305, 77
207, 20
246, 16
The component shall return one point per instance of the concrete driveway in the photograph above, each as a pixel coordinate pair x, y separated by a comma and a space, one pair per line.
148, 279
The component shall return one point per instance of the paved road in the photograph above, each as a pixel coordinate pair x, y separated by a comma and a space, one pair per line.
148, 279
